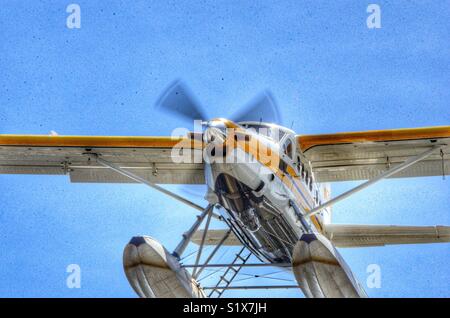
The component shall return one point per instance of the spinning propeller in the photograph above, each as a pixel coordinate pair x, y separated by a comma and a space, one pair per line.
178, 100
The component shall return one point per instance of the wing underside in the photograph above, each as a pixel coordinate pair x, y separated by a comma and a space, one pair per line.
344, 235
148, 157
365, 155
213, 237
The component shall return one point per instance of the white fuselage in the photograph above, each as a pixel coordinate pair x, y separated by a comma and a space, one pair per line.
263, 205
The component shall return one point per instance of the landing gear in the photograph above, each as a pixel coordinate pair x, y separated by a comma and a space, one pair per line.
153, 272
321, 271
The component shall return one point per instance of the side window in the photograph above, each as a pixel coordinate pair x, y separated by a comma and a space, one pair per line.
287, 148
288, 151
283, 166
298, 165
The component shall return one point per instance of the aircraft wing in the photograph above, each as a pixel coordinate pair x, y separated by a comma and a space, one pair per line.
364, 155
344, 235
213, 237
148, 157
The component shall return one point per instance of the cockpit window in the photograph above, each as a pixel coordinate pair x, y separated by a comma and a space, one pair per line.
270, 131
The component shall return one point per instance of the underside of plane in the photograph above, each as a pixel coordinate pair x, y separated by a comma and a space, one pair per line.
277, 213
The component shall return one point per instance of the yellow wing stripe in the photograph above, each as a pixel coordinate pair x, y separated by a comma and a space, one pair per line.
308, 141
90, 141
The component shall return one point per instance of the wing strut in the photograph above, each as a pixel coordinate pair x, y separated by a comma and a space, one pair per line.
382, 176
137, 178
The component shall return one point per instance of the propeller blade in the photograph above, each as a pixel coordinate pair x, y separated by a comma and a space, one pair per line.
177, 99
262, 108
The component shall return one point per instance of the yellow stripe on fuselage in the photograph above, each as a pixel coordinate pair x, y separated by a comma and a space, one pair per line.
288, 178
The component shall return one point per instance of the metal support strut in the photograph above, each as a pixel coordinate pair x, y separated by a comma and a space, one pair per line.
288, 265
200, 249
139, 179
188, 235
230, 273
382, 176
251, 287
206, 263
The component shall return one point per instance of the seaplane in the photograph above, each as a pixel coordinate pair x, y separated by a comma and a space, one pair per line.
268, 186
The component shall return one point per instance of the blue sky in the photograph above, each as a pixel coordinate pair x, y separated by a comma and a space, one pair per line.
327, 70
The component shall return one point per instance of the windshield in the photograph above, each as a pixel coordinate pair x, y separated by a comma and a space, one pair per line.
271, 131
